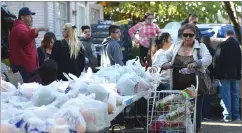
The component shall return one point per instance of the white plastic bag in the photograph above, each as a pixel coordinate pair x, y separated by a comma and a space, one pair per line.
80, 85
7, 87
94, 112
127, 84
72, 117
8, 128
28, 89
101, 93
44, 112
60, 100
111, 89
135, 61
44, 96
112, 102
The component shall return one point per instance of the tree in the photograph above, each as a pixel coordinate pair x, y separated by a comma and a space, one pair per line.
230, 8
166, 11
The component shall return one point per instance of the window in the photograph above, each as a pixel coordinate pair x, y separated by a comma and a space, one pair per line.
95, 16
61, 16
81, 17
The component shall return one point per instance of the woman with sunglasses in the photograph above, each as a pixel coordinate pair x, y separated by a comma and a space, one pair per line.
45, 49
146, 30
189, 52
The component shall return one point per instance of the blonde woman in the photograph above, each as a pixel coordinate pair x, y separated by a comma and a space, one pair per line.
68, 53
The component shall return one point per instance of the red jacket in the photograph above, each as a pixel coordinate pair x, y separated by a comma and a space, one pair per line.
22, 49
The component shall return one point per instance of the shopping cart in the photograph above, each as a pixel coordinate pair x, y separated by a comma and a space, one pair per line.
177, 115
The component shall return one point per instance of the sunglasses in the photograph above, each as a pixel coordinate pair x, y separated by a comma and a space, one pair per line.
187, 34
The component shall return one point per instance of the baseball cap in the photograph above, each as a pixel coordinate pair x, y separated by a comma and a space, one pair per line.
25, 11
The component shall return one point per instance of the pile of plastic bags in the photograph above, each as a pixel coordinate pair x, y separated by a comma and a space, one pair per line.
79, 105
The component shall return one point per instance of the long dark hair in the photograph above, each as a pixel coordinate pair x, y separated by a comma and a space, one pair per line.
161, 40
45, 43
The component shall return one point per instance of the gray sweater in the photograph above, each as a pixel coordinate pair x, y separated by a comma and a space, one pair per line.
114, 52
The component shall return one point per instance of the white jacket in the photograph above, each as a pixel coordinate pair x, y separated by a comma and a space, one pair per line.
165, 75
170, 54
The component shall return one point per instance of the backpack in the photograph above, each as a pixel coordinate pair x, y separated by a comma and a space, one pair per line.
105, 61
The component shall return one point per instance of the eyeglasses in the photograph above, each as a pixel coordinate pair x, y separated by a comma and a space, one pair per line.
116, 32
188, 34
150, 18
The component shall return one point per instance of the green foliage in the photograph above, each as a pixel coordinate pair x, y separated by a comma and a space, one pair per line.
166, 11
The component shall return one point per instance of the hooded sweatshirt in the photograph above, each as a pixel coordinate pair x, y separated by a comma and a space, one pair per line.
90, 52
111, 51
22, 49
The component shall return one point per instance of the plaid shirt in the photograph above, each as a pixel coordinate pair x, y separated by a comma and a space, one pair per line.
146, 31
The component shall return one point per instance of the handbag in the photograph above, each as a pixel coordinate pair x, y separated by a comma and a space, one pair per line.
206, 85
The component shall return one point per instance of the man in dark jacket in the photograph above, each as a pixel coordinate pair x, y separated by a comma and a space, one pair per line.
90, 50
227, 68
22, 50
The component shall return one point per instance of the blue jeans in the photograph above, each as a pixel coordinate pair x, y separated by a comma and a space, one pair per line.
229, 92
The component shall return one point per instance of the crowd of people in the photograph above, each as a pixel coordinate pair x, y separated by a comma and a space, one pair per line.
75, 53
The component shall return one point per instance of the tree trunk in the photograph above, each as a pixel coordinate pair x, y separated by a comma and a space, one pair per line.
230, 8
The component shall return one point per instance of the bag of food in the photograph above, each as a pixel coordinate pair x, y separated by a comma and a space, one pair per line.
8, 128
130, 84
101, 93
44, 96
7, 87
76, 84
94, 112
189, 92
163, 104
72, 117
28, 89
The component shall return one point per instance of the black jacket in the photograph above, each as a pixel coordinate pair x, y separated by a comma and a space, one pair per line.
87, 43
42, 55
227, 60
61, 55
212, 52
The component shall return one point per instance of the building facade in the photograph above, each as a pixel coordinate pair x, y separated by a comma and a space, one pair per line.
54, 14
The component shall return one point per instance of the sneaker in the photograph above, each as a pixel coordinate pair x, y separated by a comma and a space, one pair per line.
222, 120
237, 120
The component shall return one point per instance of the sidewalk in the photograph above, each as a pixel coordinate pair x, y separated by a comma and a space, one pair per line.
221, 127
207, 127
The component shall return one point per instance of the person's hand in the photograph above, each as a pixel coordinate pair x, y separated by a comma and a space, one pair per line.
37, 30
43, 29
186, 71
166, 66
192, 65
152, 70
